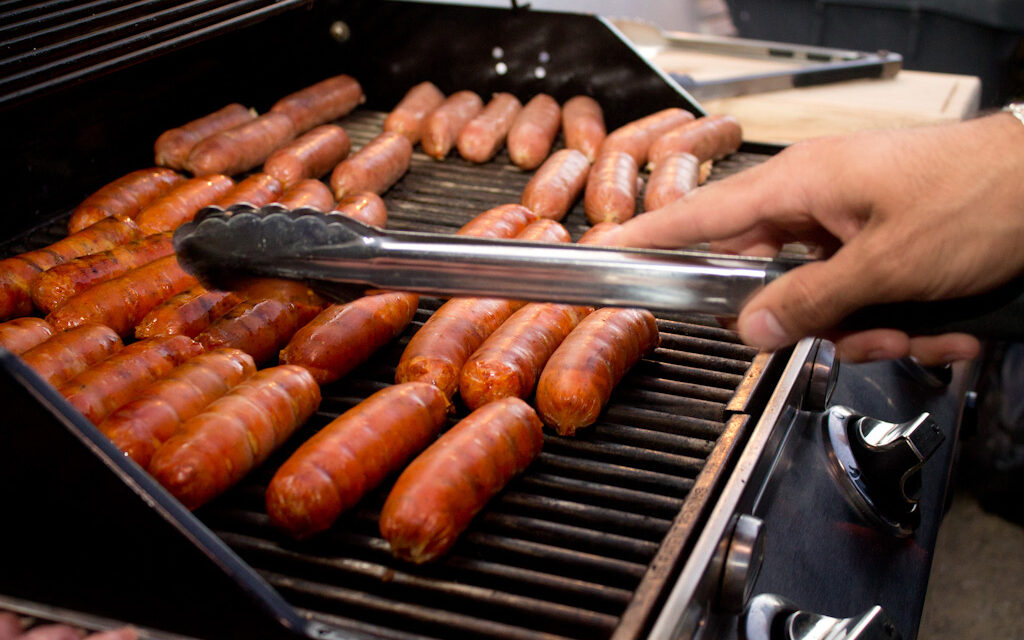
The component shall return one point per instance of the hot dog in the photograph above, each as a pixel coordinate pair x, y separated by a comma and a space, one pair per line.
485, 134
173, 146
350, 456
233, 435
115, 381
182, 203
442, 127
258, 189
125, 196
554, 188
366, 207
579, 377
411, 112
534, 131
673, 177
611, 188
708, 138
21, 334
583, 125
440, 492
374, 168
503, 221
69, 353
636, 137
141, 426
310, 156
322, 102
241, 148
187, 313
308, 193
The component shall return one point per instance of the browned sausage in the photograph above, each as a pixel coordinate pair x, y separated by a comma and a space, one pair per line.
187, 313
579, 378
503, 221
308, 193
63, 281
554, 188
534, 131
411, 112
174, 145
125, 196
18, 273
233, 435
484, 135
21, 334
442, 127
322, 102
375, 167
331, 471
182, 203
708, 138
115, 381
69, 353
636, 137
141, 426
310, 156
673, 177
258, 189
122, 302
366, 207
241, 148
611, 188
440, 492
583, 125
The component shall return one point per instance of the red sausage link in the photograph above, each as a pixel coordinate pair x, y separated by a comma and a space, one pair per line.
21, 334
173, 146
708, 138
440, 492
554, 188
673, 177
310, 156
534, 131
69, 353
59, 283
374, 168
241, 148
442, 127
366, 207
580, 376
503, 221
308, 193
322, 102
411, 112
141, 426
258, 189
636, 137
583, 125
611, 188
544, 230
484, 135
115, 381
182, 203
331, 471
236, 433
122, 302
187, 313
125, 196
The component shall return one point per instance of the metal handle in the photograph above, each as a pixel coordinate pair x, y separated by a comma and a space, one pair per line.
771, 617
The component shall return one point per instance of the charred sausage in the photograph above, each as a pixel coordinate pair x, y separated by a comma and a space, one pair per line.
708, 138
125, 196
258, 189
187, 313
583, 125
374, 168
554, 188
21, 334
411, 112
503, 221
485, 134
241, 148
69, 353
322, 102
366, 207
611, 188
182, 203
534, 131
309, 156
173, 146
308, 193
673, 177
636, 137
442, 127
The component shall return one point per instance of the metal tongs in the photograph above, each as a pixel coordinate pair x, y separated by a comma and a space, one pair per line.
341, 258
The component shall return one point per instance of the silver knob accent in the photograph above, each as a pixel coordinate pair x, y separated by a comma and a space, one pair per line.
743, 557
823, 370
768, 612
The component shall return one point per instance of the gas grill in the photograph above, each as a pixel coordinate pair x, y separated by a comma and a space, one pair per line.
712, 461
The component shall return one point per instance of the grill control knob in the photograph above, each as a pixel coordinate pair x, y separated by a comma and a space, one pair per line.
741, 563
822, 371
771, 617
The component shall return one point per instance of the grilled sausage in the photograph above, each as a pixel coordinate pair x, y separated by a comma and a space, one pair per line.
64, 281
636, 137
672, 178
442, 127
366, 207
182, 203
579, 378
21, 334
411, 112
440, 492
708, 138
309, 156
503, 221
122, 302
115, 381
125, 196
375, 167
258, 189
322, 102
611, 188
331, 471
233, 435
18, 273
69, 353
241, 148
485, 134
141, 426
173, 146
554, 188
308, 193
583, 125
187, 313
534, 131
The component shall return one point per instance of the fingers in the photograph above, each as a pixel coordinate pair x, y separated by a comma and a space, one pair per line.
944, 349
889, 344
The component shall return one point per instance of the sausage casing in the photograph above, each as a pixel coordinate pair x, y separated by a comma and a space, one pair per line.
69, 353
411, 112
241, 148
182, 203
635, 138
125, 196
583, 125
187, 313
375, 167
308, 193
310, 156
258, 189
485, 134
673, 177
534, 131
708, 138
21, 334
331, 471
322, 102
173, 146
611, 188
366, 207
502, 221
439, 493
442, 127
554, 188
